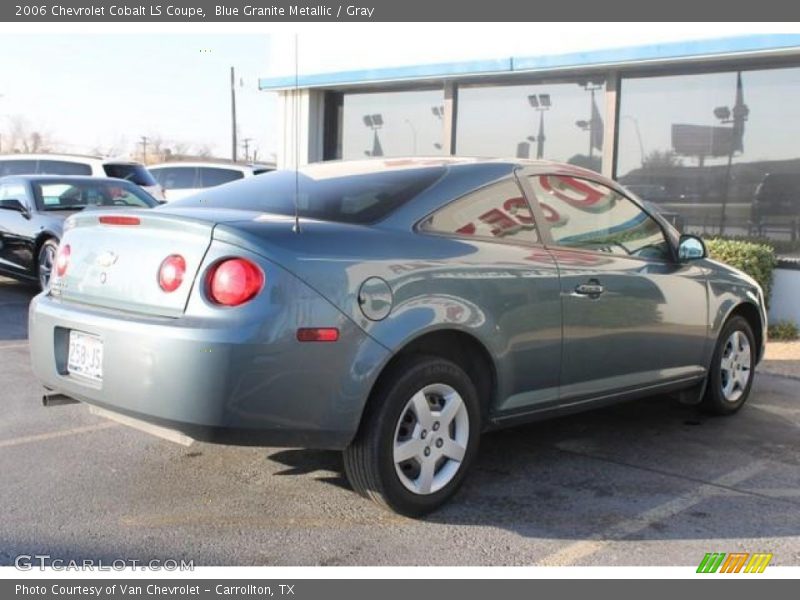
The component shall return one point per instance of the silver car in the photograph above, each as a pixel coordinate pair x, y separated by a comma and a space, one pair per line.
393, 309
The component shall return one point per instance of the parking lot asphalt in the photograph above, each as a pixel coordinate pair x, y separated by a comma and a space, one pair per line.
645, 483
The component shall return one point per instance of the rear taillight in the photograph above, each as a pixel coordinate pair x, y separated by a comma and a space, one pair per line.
62, 259
234, 281
119, 220
171, 272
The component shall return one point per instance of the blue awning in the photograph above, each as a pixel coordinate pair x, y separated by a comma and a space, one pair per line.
672, 51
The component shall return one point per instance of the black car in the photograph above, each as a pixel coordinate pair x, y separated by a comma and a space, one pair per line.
32, 213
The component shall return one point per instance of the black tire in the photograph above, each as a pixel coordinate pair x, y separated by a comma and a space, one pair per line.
43, 270
715, 401
369, 460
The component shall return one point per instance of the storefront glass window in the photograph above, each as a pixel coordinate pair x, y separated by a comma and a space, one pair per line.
393, 124
559, 121
716, 152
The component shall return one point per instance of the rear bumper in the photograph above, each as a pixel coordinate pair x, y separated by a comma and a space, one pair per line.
246, 384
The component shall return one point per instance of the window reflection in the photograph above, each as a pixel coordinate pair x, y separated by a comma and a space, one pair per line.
559, 121
585, 214
392, 124
498, 211
716, 152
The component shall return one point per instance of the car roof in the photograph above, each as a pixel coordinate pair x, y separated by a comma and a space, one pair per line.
69, 157
343, 168
212, 164
59, 178
196, 164
459, 175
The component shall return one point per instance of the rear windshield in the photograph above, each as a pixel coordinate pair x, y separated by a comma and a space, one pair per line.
211, 176
359, 198
76, 195
134, 173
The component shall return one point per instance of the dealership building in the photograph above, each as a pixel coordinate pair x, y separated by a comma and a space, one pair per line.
707, 130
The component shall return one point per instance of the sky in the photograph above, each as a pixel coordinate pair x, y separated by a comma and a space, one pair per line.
106, 90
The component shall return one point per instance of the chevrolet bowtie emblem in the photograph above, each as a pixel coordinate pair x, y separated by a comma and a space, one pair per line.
106, 259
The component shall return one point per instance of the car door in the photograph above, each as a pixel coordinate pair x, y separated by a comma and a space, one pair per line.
17, 230
633, 316
500, 265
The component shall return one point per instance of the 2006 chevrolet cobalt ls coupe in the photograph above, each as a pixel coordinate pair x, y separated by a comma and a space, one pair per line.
393, 309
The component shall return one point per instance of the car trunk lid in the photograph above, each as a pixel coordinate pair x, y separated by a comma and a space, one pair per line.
115, 258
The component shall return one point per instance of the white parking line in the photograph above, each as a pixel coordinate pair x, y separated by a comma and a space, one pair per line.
28, 439
580, 550
781, 411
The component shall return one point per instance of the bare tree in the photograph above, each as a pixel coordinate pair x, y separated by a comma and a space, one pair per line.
23, 138
660, 160
115, 148
179, 150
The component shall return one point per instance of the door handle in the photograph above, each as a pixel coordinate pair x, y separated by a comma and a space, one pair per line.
592, 288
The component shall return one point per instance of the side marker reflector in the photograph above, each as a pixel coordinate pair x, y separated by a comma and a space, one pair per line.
317, 334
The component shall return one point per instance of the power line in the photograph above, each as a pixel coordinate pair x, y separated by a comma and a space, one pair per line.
246, 144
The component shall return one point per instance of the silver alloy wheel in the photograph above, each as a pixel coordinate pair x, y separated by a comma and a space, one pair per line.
431, 438
735, 366
47, 257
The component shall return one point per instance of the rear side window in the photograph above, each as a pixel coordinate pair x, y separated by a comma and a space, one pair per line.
498, 212
17, 167
176, 178
211, 176
355, 198
588, 215
63, 167
134, 173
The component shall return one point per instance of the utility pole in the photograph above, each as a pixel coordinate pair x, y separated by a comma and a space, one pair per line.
233, 115
246, 144
144, 139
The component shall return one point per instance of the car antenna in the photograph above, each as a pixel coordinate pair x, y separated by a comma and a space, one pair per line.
296, 227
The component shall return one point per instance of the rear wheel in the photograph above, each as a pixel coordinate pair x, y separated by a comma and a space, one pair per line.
45, 262
418, 437
732, 368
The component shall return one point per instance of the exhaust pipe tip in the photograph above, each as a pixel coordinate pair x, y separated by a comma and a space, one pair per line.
57, 399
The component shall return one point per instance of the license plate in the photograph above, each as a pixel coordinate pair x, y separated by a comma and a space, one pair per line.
85, 355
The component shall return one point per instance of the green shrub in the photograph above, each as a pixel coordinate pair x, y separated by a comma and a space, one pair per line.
783, 331
757, 260
781, 247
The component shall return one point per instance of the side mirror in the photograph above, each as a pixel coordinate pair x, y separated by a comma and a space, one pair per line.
13, 204
691, 247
